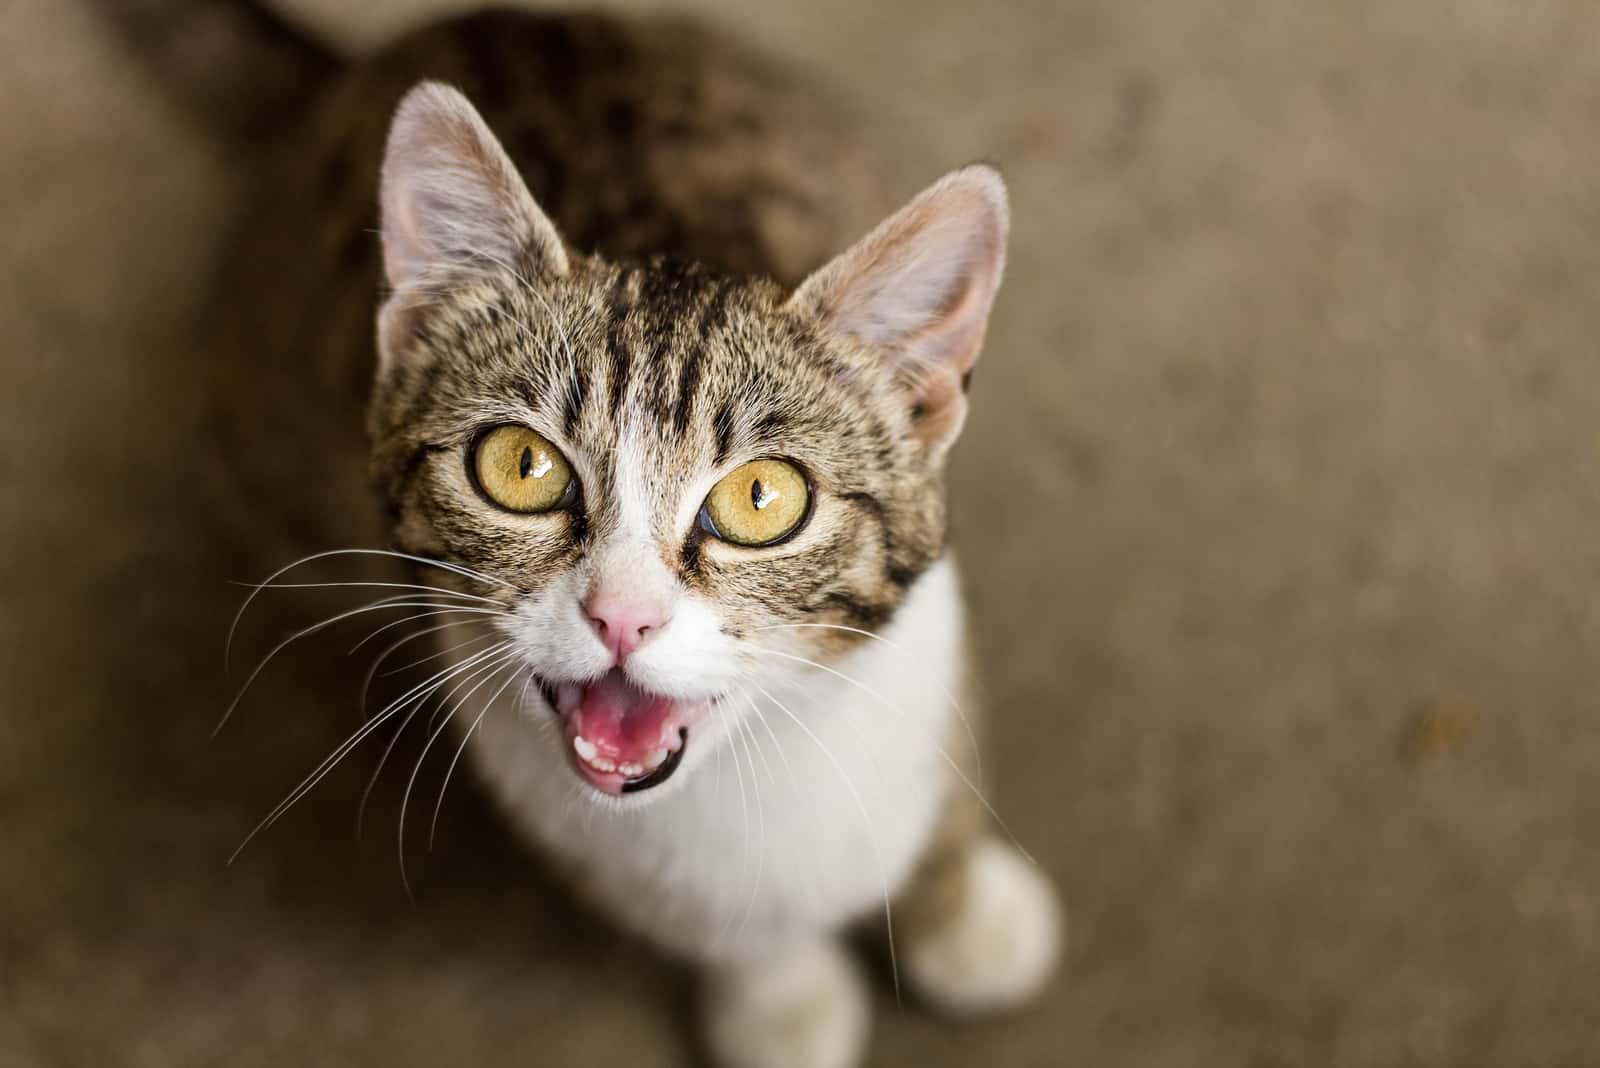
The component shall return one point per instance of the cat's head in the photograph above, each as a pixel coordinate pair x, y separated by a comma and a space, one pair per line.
683, 487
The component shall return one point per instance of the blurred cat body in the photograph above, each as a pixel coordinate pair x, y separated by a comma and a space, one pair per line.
735, 747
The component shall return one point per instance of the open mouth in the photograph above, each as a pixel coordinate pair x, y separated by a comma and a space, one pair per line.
621, 739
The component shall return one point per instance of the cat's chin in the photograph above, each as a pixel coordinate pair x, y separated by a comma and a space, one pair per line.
621, 739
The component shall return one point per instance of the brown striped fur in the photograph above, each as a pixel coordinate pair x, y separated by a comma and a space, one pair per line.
657, 284
639, 138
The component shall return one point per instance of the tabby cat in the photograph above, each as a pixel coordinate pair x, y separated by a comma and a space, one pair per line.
674, 446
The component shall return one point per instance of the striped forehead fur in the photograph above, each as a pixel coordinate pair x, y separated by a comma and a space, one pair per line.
709, 371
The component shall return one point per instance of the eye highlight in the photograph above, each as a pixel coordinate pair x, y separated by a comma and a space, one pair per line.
520, 471
760, 503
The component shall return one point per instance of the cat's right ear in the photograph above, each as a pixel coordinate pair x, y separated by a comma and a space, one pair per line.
451, 197
917, 290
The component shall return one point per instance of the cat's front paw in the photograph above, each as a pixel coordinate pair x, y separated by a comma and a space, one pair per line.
999, 945
805, 1009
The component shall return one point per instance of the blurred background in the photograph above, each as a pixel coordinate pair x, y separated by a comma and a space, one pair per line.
1278, 509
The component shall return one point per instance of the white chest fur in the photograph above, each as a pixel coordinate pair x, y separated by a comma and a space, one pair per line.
802, 820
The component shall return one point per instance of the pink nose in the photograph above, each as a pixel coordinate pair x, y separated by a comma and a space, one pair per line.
622, 625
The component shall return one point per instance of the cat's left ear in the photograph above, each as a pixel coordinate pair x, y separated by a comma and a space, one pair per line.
918, 289
450, 196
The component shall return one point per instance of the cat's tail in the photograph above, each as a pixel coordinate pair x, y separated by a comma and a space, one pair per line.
239, 68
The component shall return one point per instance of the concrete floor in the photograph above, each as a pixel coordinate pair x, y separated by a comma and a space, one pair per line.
1279, 508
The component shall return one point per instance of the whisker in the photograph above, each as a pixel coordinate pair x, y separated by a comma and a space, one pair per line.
458, 569
438, 591
761, 832
561, 330
446, 651
461, 680
717, 789
848, 724
405, 798
329, 762
794, 782
433, 823
376, 606
972, 737
776, 744
744, 840
441, 708
999, 821
461, 677
762, 753
441, 611
866, 818
366, 683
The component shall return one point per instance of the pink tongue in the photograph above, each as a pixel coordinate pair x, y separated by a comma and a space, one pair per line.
623, 723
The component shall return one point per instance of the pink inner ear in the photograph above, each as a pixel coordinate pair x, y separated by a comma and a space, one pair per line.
919, 288
951, 341
448, 190
405, 253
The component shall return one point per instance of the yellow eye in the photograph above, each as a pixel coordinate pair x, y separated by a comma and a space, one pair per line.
521, 471
758, 504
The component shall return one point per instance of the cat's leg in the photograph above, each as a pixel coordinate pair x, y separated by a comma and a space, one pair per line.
978, 925
806, 1007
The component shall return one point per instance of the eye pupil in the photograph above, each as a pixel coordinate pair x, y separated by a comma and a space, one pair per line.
759, 504
520, 471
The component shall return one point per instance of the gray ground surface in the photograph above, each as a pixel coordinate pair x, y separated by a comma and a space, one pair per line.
1279, 508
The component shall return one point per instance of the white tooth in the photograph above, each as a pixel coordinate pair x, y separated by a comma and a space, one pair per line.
584, 747
656, 759
630, 770
603, 764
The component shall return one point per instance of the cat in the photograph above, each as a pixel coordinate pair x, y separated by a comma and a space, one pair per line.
666, 446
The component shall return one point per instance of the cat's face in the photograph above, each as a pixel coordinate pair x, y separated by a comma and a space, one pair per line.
689, 490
